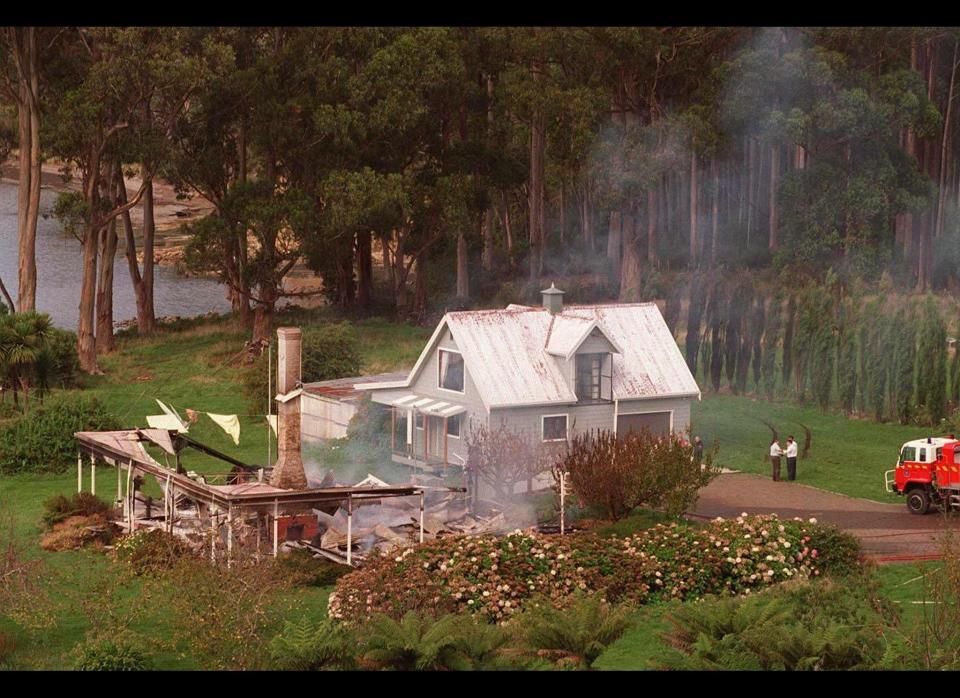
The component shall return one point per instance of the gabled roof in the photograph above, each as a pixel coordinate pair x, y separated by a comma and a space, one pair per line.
515, 356
567, 332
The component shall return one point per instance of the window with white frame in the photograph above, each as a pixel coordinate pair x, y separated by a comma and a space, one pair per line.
451, 371
555, 427
418, 421
453, 426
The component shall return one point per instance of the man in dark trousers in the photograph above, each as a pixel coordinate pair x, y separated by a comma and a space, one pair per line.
791, 458
775, 453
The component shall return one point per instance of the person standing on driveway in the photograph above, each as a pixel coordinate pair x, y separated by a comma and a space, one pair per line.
791, 458
775, 453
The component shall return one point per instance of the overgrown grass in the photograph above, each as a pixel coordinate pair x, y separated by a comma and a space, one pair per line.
190, 367
846, 455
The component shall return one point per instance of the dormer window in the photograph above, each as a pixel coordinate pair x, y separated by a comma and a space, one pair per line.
451, 371
593, 377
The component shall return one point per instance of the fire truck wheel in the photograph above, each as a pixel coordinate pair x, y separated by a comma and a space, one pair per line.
918, 501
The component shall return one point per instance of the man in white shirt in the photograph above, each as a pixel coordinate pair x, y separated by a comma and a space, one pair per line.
775, 453
791, 458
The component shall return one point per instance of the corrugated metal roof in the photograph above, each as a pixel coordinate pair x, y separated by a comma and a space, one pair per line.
345, 390
650, 364
506, 352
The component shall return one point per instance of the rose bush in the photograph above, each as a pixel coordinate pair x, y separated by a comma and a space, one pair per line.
494, 576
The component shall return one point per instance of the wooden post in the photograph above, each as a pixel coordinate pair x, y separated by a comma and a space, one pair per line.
213, 536
168, 505
229, 536
259, 530
563, 492
446, 437
393, 429
129, 498
426, 440
93, 474
349, 529
421, 516
119, 487
276, 527
79, 472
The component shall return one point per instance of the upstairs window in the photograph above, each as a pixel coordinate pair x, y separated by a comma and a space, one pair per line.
451, 371
593, 377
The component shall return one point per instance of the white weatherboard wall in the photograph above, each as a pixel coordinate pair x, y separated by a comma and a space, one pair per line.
324, 418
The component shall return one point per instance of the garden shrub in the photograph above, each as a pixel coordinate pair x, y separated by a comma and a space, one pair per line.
581, 632
42, 441
150, 551
60, 507
620, 472
496, 576
59, 363
305, 645
110, 654
7, 647
303, 569
422, 641
798, 626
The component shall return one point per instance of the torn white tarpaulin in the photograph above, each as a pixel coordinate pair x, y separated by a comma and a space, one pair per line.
230, 423
173, 413
166, 421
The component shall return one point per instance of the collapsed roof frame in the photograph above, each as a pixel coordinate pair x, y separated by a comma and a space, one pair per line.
125, 450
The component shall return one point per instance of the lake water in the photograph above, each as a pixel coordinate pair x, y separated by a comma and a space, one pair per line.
59, 271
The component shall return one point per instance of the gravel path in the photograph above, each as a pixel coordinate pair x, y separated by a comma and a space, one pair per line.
887, 532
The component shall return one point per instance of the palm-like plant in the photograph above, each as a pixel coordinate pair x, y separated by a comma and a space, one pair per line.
23, 341
309, 646
418, 641
583, 630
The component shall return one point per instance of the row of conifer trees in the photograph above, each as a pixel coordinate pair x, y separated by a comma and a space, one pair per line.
878, 354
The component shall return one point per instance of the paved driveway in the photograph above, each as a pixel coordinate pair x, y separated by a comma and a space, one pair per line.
887, 532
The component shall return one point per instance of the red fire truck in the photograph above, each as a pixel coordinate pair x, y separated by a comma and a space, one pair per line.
927, 474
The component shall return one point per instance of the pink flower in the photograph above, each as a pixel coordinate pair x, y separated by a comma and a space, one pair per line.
813, 553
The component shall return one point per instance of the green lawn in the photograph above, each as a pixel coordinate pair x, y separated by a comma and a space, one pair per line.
187, 368
194, 368
846, 455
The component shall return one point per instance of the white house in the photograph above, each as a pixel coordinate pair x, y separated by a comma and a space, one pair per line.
551, 371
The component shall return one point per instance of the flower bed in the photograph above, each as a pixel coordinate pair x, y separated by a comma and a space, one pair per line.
494, 575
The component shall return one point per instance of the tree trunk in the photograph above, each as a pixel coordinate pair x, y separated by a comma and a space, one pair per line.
774, 172
86, 347
364, 269
714, 212
28, 200
263, 315
652, 225
104, 310
463, 275
942, 198
693, 211
630, 269
537, 146
142, 283
614, 242
751, 200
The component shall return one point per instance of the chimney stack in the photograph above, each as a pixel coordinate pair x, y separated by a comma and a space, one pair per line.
288, 473
553, 299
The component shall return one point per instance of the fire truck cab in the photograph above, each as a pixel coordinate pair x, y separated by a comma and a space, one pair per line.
927, 474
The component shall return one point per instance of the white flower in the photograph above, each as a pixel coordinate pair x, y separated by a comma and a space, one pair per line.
786, 544
813, 520
469, 602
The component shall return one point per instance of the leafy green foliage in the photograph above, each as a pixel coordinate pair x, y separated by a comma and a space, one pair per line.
932, 364
43, 440
150, 551
110, 654
620, 472
303, 569
799, 626
583, 630
306, 645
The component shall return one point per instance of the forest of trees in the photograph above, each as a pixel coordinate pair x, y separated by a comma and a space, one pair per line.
461, 159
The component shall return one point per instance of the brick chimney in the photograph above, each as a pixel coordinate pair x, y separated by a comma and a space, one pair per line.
288, 472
